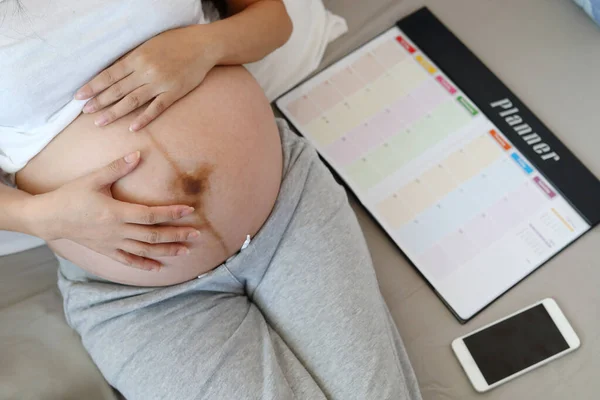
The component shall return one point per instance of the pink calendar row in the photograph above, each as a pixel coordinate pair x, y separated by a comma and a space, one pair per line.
482, 231
346, 82
401, 114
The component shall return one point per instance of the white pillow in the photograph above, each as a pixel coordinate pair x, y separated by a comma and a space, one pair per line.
314, 28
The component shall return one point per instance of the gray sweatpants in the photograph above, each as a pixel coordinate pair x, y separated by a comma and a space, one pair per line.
296, 315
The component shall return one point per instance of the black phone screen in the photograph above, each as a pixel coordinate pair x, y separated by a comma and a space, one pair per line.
515, 344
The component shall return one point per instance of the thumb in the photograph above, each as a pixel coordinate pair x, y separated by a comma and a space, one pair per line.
116, 170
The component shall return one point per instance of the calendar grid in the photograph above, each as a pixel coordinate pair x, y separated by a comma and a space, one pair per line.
473, 202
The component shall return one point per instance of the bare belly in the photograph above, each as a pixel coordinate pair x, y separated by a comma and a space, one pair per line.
217, 149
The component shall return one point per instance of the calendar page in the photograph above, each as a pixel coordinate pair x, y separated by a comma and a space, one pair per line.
457, 195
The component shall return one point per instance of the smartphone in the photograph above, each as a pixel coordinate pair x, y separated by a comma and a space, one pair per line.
512, 346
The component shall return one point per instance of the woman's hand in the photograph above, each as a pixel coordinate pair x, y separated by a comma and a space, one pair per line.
85, 212
163, 69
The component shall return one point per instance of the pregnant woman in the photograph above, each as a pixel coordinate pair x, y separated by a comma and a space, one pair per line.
205, 251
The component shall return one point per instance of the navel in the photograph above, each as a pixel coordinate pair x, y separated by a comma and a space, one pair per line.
193, 185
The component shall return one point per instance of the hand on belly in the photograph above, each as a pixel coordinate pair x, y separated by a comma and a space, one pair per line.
217, 150
85, 212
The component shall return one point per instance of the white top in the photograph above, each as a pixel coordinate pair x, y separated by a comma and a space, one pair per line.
49, 49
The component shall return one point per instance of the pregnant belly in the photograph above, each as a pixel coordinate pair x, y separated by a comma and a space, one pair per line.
217, 149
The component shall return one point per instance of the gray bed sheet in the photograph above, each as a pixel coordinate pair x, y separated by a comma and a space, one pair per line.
548, 53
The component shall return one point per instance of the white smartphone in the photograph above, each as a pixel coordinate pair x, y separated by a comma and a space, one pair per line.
512, 346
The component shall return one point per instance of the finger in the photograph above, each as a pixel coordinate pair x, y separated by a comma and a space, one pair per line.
131, 102
137, 262
113, 94
160, 234
115, 170
157, 107
143, 215
103, 80
146, 250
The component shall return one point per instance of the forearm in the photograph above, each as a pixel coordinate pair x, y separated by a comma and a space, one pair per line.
12, 205
248, 35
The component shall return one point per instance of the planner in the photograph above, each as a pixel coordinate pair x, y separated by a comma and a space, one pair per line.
472, 187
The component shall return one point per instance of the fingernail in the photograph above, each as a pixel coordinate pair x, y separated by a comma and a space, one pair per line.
88, 108
186, 211
184, 251
134, 127
101, 121
194, 235
81, 95
131, 158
